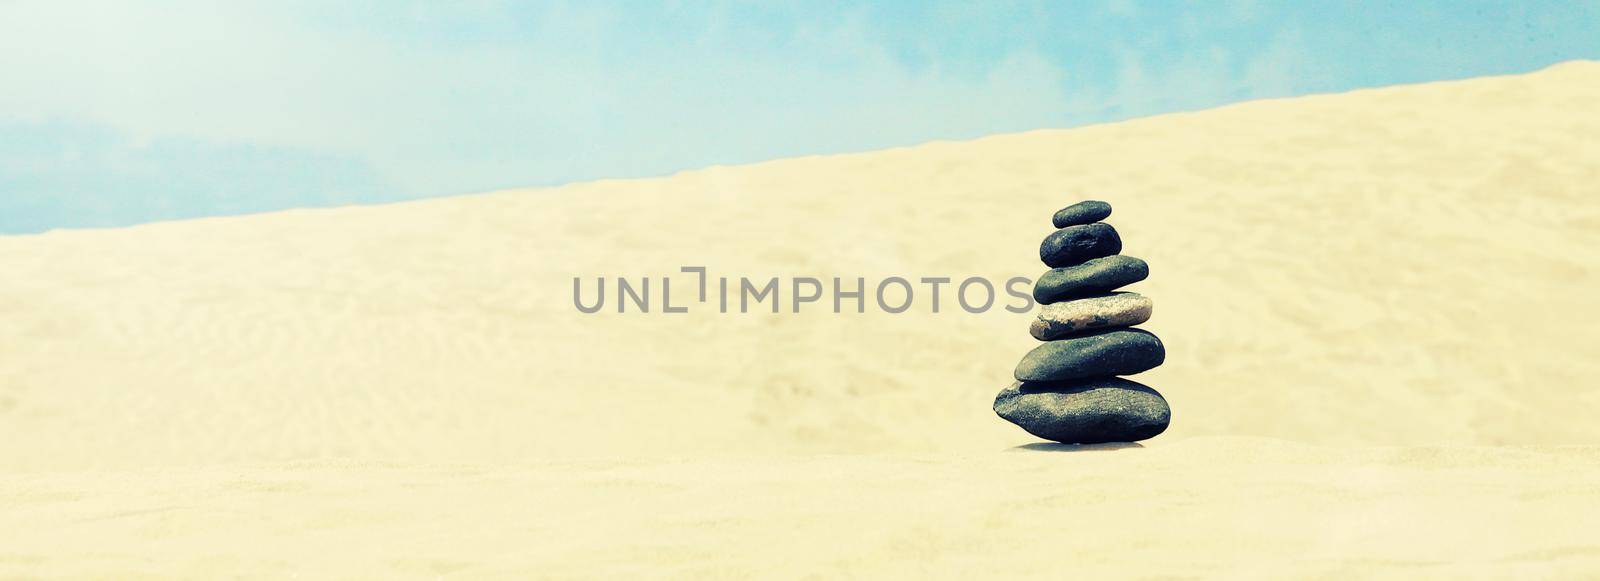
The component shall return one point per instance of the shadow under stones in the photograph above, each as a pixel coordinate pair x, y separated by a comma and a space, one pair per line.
1059, 447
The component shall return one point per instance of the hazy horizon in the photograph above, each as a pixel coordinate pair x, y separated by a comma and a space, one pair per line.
118, 114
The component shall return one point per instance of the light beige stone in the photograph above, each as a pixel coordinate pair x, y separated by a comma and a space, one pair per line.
1112, 310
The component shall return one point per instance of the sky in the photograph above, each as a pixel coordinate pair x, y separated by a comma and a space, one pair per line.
117, 113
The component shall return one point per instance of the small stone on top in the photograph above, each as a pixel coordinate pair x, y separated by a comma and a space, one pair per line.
1086, 212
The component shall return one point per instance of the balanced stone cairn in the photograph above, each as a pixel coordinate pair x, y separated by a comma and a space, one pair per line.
1066, 388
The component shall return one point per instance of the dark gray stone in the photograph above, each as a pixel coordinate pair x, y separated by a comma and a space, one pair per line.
1088, 411
1092, 354
1075, 244
1101, 275
1085, 212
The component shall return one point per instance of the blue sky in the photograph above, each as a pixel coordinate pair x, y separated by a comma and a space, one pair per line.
114, 113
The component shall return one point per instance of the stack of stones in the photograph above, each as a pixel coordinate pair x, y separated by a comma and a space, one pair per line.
1067, 388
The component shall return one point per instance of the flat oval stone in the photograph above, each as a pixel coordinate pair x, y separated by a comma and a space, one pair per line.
1075, 244
1085, 212
1097, 276
1090, 411
1112, 310
1093, 354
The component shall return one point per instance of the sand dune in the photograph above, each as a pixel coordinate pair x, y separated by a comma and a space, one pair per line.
1200, 507
1374, 306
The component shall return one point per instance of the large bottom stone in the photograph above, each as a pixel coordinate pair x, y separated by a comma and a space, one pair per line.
1087, 411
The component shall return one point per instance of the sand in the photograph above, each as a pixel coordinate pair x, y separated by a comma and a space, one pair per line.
1374, 305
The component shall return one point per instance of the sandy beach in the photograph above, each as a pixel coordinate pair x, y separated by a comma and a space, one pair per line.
1373, 305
